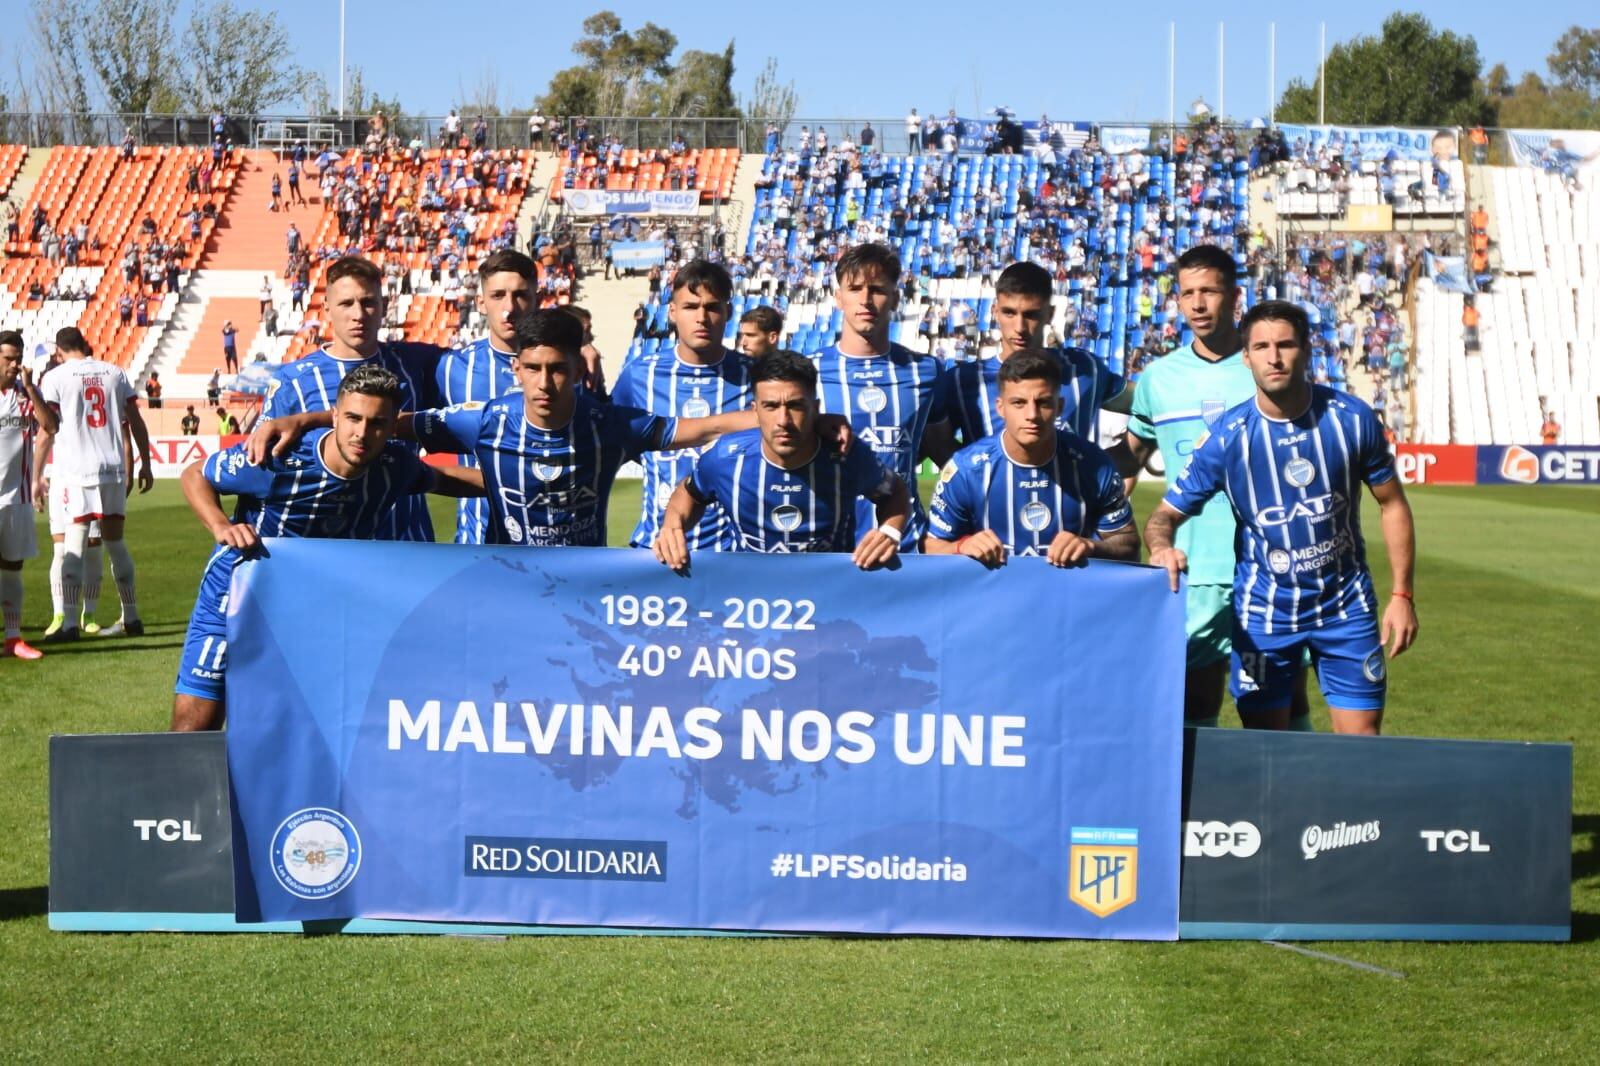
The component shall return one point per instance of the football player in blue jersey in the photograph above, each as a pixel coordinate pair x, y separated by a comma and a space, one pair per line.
339, 483
486, 369
1291, 462
1022, 312
1032, 488
354, 309
697, 377
549, 452
781, 486
892, 396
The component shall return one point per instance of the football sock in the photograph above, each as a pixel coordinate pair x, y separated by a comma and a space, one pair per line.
122, 573
11, 601
93, 571
72, 572
1301, 723
60, 555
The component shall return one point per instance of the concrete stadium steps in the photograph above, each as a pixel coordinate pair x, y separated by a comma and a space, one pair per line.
191, 346
250, 237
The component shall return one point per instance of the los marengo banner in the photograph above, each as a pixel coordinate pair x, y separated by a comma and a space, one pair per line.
581, 736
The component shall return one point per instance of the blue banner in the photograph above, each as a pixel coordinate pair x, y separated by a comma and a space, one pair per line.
580, 736
1537, 464
1449, 272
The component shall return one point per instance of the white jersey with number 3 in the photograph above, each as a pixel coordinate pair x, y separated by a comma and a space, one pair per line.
90, 397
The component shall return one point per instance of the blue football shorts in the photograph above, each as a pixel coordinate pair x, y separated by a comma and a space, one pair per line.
203, 669
1347, 656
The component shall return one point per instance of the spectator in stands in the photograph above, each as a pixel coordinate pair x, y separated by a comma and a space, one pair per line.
141, 311
269, 322
230, 347
759, 331
292, 239
295, 196
127, 144
913, 132
214, 388
191, 422
227, 425
450, 132
480, 133
152, 391
869, 136
266, 294
1469, 324
536, 130
1550, 431
125, 308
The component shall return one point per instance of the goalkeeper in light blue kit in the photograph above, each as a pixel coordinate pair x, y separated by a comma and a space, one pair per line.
1031, 489
1291, 462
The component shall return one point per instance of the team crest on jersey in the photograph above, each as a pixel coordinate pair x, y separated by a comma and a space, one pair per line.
1278, 560
513, 528
1034, 516
948, 472
695, 407
1373, 667
786, 517
1299, 472
546, 472
872, 399
1211, 410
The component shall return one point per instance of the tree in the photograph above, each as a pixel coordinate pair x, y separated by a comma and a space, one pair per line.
58, 59
632, 72
128, 44
770, 100
1575, 63
1410, 75
236, 60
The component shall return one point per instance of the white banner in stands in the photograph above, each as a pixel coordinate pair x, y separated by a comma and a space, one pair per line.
1561, 151
1376, 142
1120, 140
606, 202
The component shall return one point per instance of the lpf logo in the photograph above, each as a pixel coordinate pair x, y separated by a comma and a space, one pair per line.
1103, 869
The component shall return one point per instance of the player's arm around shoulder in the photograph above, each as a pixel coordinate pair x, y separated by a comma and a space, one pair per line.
228, 470
277, 437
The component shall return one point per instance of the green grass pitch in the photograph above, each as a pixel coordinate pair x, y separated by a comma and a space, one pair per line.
1509, 599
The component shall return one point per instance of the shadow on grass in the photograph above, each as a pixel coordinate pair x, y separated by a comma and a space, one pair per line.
1586, 865
23, 902
90, 647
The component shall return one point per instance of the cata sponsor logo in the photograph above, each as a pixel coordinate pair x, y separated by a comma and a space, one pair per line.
1316, 839
1216, 840
1455, 841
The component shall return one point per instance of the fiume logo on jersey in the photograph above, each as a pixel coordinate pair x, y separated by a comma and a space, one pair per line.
786, 517
872, 399
316, 852
1519, 464
1034, 516
1278, 560
1299, 472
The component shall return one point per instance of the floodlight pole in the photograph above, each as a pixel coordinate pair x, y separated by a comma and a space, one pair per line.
1222, 80
341, 59
1322, 73
1272, 73
1172, 76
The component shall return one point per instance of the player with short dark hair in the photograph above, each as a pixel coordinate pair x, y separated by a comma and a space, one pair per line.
336, 483
1180, 398
893, 397
486, 369
696, 378
780, 485
550, 452
87, 403
1031, 489
1291, 462
759, 331
19, 399
354, 303
1023, 308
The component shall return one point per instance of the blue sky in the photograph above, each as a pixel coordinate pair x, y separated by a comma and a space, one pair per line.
1073, 60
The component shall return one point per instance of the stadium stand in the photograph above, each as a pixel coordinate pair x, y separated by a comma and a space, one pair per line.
1107, 226
102, 239
1538, 347
606, 164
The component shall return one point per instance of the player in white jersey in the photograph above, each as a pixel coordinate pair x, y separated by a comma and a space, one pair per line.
86, 403
19, 399
51, 497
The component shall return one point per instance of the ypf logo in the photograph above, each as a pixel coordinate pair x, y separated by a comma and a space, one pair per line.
315, 853
1216, 840
1520, 465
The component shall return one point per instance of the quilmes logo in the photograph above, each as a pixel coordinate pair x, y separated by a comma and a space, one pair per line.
1103, 869
1519, 464
316, 852
1216, 840
1316, 839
